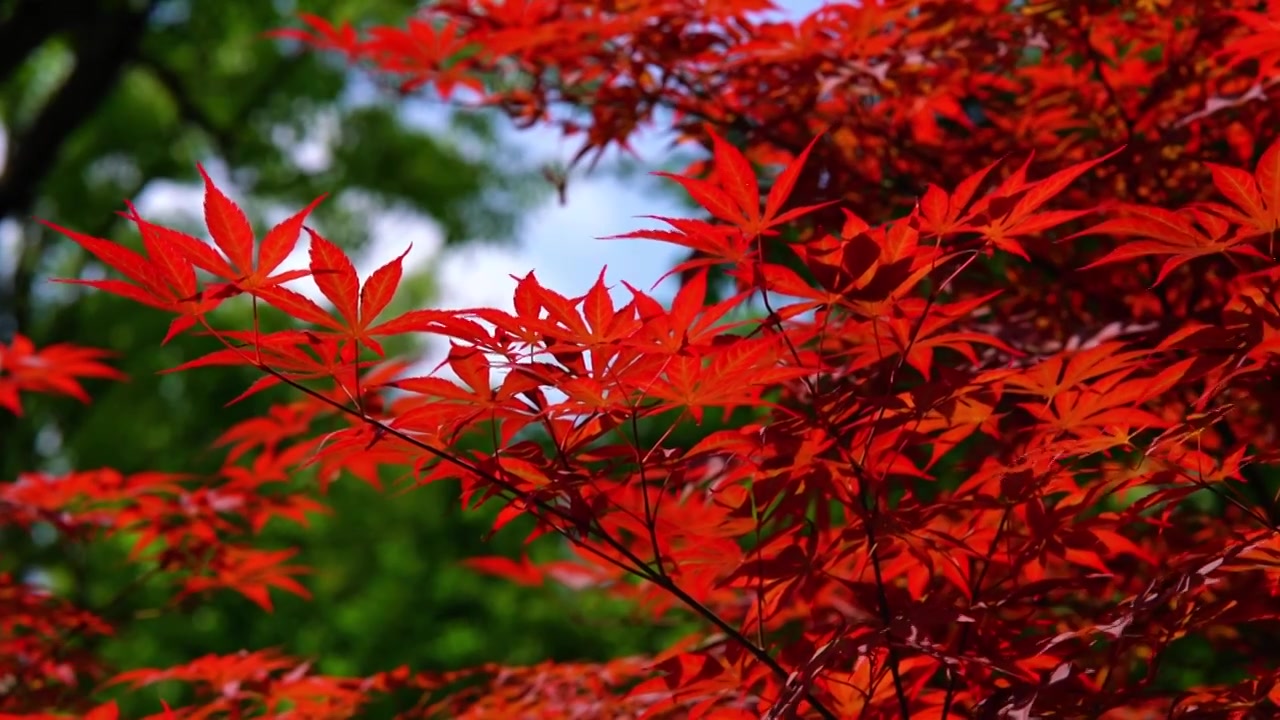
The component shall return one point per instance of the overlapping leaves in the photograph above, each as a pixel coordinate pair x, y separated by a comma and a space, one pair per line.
976, 436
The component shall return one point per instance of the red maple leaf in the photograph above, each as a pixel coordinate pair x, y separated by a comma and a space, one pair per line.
1182, 235
1255, 197
52, 369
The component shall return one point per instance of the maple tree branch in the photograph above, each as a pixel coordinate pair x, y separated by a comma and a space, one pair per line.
650, 514
975, 591
866, 492
882, 596
640, 570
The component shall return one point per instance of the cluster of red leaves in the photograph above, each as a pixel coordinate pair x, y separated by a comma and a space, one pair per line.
1008, 419
55, 369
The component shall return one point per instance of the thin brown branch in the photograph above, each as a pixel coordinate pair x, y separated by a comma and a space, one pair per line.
638, 567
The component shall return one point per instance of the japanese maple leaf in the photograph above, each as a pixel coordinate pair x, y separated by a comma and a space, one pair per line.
733, 196
938, 213
522, 572
1255, 197
453, 407
1065, 371
1109, 402
109, 711
728, 377
228, 672
357, 305
711, 244
299, 355
1183, 235
252, 573
1009, 214
919, 339
163, 278
430, 51
426, 42
233, 235
53, 369
326, 35
689, 327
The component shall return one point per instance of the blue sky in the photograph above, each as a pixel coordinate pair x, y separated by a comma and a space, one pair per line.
561, 243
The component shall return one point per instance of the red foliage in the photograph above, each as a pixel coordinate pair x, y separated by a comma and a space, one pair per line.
54, 369
1009, 420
